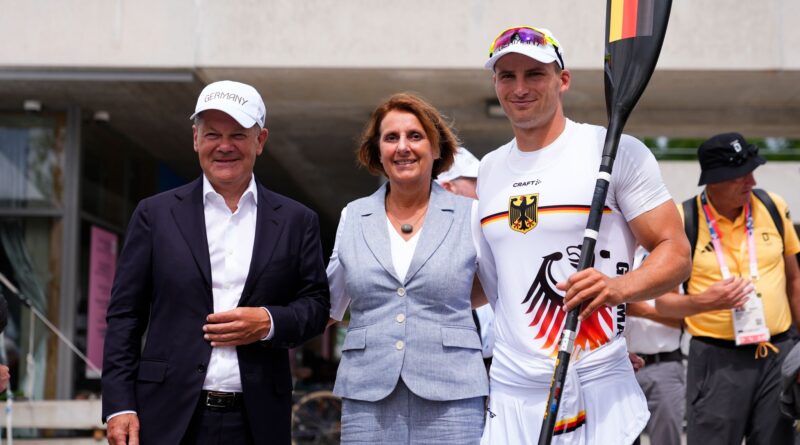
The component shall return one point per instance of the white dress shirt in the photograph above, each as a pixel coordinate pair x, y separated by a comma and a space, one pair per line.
231, 236
230, 248
647, 336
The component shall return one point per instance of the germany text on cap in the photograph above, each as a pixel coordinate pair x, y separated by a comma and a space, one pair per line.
240, 101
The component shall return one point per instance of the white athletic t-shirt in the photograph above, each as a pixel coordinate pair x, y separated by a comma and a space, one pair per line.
647, 336
533, 208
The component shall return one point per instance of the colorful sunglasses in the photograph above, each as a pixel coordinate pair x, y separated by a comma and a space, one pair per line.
524, 34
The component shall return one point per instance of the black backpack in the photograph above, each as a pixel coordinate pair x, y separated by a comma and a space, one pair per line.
690, 220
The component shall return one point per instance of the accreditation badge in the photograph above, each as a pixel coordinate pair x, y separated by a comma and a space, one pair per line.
749, 322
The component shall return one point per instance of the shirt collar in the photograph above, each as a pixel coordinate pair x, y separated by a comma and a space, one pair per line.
208, 190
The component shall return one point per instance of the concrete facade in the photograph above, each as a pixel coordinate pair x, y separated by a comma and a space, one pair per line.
703, 34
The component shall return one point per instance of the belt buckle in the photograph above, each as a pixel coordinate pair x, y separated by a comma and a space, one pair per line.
215, 399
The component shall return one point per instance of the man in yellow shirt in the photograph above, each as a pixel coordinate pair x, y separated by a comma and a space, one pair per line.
740, 260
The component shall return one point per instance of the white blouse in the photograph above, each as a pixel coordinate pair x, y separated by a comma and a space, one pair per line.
402, 253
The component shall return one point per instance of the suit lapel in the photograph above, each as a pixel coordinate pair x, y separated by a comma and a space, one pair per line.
438, 221
191, 221
269, 226
374, 229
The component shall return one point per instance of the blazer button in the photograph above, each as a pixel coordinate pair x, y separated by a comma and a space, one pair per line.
401, 291
400, 318
399, 345
201, 368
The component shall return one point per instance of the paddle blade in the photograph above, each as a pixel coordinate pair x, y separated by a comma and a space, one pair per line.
635, 31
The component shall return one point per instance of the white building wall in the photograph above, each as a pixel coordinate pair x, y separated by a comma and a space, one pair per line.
703, 34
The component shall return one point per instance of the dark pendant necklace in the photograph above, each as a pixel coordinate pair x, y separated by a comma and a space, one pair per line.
406, 228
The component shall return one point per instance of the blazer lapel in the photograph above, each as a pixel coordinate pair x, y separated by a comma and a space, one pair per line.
438, 221
374, 229
269, 226
190, 218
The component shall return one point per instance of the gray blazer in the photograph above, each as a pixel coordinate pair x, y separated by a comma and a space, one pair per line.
420, 329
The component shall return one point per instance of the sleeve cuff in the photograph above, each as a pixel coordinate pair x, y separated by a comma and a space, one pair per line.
110, 416
271, 332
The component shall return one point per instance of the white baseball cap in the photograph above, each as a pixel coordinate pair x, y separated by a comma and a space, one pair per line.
240, 101
537, 43
465, 165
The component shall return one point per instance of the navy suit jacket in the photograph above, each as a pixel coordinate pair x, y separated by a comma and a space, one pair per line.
162, 288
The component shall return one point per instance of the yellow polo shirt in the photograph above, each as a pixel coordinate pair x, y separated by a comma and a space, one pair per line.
770, 252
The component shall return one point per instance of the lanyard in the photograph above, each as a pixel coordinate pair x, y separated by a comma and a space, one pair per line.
716, 237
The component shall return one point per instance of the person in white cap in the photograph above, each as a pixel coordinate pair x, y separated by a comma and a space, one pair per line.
462, 179
534, 197
222, 276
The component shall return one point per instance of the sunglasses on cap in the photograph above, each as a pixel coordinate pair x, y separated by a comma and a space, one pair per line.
527, 35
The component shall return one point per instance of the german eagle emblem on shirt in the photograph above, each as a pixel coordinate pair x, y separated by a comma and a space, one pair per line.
523, 212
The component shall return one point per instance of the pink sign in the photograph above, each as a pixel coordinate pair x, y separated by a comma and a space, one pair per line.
102, 264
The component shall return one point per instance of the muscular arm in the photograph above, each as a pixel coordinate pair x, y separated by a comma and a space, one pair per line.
793, 287
660, 231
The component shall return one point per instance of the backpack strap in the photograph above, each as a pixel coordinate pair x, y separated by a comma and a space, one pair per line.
690, 221
690, 227
763, 196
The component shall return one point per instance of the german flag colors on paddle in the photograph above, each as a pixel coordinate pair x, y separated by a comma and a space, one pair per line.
630, 18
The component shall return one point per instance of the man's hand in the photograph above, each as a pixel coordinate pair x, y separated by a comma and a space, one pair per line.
726, 294
123, 429
240, 326
636, 361
5, 376
593, 287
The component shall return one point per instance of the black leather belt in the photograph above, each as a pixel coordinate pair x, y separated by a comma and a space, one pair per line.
732, 344
221, 401
652, 359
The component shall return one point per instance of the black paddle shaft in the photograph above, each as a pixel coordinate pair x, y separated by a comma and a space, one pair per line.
567, 342
629, 64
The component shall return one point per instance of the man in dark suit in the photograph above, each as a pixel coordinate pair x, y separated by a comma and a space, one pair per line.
223, 276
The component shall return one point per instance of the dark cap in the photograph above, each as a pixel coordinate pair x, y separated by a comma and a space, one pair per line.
727, 156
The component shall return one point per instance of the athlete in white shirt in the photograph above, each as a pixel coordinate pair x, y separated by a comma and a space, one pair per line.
534, 196
656, 341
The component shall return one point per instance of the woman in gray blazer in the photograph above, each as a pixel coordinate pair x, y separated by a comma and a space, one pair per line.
405, 262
